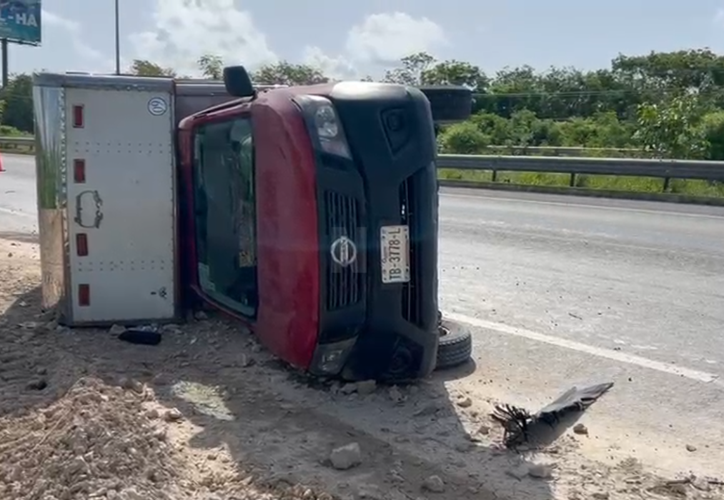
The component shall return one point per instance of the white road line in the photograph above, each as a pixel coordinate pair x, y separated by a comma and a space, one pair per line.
582, 205
601, 352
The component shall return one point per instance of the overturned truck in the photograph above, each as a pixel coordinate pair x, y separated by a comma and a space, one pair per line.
307, 213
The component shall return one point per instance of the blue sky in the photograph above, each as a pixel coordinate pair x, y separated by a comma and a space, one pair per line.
364, 36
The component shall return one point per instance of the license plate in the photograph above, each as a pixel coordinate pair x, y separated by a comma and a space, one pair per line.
395, 254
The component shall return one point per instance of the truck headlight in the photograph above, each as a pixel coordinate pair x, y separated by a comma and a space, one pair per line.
326, 121
323, 119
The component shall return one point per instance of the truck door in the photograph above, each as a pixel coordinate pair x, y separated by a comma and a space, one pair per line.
225, 212
120, 191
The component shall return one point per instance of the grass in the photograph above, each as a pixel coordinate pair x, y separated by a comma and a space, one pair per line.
695, 188
27, 149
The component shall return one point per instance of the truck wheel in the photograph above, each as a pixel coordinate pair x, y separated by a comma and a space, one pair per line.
448, 103
455, 346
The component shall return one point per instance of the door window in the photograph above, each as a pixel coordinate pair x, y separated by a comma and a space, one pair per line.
225, 213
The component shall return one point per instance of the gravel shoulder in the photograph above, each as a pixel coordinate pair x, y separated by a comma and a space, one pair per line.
208, 414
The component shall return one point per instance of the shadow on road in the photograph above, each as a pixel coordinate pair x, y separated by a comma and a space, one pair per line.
277, 428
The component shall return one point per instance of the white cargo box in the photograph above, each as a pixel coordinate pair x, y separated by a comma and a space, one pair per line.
106, 178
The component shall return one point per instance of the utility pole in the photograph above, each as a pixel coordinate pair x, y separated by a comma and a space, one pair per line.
4, 47
118, 40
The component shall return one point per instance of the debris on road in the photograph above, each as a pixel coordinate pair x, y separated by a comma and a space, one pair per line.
346, 457
434, 484
580, 429
518, 423
465, 402
144, 335
540, 471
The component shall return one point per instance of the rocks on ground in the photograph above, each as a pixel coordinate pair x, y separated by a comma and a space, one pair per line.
346, 457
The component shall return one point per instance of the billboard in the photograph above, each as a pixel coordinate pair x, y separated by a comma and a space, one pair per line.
20, 21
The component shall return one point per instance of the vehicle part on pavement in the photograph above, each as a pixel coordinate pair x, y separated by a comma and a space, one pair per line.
455, 346
519, 424
449, 104
141, 336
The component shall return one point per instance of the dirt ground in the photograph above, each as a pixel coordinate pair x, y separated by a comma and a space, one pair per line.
208, 414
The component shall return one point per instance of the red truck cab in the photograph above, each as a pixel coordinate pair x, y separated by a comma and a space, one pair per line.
311, 215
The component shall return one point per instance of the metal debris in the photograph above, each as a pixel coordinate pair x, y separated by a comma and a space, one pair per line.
518, 422
144, 335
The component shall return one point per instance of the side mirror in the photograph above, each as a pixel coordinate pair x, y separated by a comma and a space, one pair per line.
237, 82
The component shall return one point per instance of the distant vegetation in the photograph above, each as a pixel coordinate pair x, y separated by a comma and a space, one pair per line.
666, 105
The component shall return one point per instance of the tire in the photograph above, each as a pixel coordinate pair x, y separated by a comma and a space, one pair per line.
449, 104
455, 346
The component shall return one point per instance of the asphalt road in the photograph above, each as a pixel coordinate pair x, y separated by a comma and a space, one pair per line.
18, 212
564, 290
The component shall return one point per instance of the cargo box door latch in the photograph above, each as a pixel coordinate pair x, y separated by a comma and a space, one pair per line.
88, 213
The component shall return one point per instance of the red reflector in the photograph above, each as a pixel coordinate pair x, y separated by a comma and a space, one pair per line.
84, 295
81, 244
79, 171
78, 116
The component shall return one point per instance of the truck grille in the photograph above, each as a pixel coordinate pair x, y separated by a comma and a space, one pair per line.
411, 298
343, 283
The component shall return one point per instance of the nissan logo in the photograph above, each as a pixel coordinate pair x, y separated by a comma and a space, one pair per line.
343, 251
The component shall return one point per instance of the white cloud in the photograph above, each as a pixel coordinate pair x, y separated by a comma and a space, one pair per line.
73, 29
184, 30
387, 37
337, 68
380, 39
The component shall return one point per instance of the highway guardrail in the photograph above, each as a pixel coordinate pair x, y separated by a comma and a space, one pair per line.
629, 167
573, 166
22, 144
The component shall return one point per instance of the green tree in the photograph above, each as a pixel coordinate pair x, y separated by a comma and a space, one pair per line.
18, 98
713, 130
496, 129
411, 70
286, 73
212, 67
455, 72
463, 138
673, 129
142, 67
669, 103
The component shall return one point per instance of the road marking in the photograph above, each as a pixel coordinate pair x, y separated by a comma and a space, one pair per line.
586, 205
10, 211
699, 376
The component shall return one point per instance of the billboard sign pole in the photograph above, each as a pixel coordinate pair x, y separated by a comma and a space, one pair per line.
19, 23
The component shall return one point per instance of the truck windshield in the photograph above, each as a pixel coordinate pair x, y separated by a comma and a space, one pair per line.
225, 213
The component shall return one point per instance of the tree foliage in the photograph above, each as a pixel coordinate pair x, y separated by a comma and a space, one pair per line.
669, 104
211, 67
286, 73
140, 67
